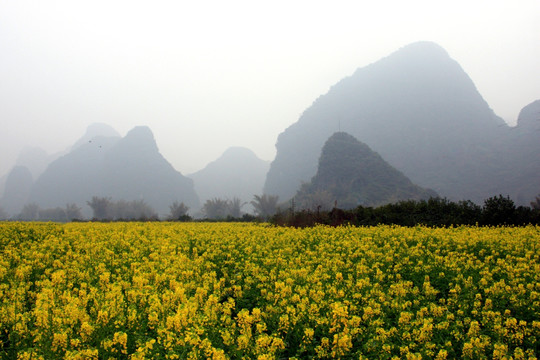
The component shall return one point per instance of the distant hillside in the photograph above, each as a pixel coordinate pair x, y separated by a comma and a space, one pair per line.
95, 130
135, 170
420, 111
522, 159
34, 159
237, 173
17, 190
351, 174
3, 180
129, 168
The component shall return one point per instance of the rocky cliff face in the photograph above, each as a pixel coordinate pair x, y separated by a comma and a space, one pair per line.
129, 168
349, 174
419, 110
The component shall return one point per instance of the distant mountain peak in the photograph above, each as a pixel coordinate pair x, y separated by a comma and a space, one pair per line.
351, 174
238, 151
529, 116
95, 130
238, 172
424, 47
417, 108
128, 168
140, 138
142, 132
101, 129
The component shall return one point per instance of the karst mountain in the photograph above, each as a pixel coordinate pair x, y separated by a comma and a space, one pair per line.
237, 173
422, 113
121, 168
350, 174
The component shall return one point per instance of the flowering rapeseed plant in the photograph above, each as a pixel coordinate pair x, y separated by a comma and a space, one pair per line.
247, 291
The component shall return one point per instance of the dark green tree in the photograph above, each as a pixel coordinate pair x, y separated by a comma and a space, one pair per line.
498, 210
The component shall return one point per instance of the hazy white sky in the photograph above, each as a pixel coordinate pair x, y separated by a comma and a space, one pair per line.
207, 75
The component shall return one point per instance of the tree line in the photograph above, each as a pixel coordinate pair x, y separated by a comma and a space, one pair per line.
497, 210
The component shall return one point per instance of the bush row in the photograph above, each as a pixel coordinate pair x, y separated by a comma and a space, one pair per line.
496, 210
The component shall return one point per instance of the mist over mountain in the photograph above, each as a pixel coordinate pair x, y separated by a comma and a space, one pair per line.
134, 169
37, 159
74, 177
420, 111
95, 130
521, 178
238, 172
416, 111
34, 159
3, 180
349, 174
129, 168
529, 117
17, 189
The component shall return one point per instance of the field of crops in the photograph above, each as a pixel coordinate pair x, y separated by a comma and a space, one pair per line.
233, 291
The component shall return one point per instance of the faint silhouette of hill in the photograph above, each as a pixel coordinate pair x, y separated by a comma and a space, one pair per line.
237, 173
134, 169
74, 177
420, 111
17, 190
521, 178
95, 130
350, 174
129, 168
34, 159
3, 180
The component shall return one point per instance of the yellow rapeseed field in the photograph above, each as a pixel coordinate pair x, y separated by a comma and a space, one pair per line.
250, 291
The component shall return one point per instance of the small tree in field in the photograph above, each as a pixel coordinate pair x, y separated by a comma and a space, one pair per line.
216, 208
178, 211
221, 209
101, 207
265, 205
73, 212
235, 207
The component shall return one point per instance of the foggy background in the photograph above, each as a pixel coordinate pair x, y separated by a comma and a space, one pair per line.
208, 75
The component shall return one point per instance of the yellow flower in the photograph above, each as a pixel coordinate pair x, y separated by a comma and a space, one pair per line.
60, 341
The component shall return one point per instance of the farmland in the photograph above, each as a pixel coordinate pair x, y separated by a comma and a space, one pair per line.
255, 291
